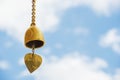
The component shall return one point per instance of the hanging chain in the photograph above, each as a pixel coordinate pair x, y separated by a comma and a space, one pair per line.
33, 12
33, 21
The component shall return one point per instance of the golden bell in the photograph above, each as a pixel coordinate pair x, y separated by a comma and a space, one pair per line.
34, 36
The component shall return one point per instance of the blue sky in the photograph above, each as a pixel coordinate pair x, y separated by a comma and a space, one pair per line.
81, 39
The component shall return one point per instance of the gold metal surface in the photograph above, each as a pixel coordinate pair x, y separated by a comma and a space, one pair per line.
34, 36
32, 61
33, 39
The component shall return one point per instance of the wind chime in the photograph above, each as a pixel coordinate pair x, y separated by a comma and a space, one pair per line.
33, 39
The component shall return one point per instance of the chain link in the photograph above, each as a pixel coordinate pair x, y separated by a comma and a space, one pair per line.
33, 12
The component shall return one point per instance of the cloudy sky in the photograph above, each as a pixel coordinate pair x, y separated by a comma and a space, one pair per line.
82, 39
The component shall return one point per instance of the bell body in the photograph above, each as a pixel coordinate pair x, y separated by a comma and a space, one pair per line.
34, 36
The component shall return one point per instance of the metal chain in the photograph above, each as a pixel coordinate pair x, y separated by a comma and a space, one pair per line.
33, 12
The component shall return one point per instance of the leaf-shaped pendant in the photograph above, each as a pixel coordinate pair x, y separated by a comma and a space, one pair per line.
32, 61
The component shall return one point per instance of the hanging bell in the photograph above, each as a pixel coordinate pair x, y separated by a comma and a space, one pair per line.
34, 36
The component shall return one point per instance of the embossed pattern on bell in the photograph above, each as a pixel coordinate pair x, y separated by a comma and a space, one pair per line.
34, 36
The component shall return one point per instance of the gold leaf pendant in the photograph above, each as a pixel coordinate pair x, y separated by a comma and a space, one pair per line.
32, 61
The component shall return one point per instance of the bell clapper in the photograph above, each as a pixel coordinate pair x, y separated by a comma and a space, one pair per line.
33, 50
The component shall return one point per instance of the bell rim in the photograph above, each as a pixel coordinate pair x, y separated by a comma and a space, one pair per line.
35, 47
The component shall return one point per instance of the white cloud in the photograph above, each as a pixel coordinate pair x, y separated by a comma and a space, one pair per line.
15, 15
111, 39
117, 75
4, 65
46, 51
71, 67
24, 73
